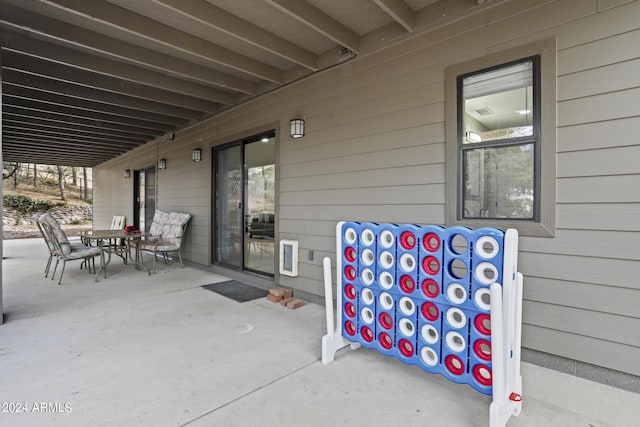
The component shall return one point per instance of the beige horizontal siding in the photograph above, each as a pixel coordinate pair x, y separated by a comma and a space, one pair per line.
594, 324
600, 189
582, 269
609, 78
606, 161
374, 151
588, 243
405, 175
596, 216
609, 354
586, 296
586, 136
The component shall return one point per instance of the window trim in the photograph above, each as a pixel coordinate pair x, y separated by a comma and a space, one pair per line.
544, 224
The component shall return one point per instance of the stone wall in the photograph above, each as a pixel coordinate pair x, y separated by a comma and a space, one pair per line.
69, 214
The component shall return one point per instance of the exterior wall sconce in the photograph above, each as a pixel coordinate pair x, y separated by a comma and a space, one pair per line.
127, 173
162, 164
297, 128
196, 155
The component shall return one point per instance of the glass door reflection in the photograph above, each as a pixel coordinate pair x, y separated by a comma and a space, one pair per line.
259, 199
229, 206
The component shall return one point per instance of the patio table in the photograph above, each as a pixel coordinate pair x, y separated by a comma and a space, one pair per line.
130, 239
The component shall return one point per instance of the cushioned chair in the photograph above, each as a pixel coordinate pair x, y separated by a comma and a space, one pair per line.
50, 245
62, 249
167, 232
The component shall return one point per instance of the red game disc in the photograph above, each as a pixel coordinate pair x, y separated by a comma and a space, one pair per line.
407, 240
431, 265
407, 284
350, 272
430, 311
431, 242
454, 364
406, 348
481, 321
350, 309
482, 349
386, 320
350, 291
430, 288
350, 328
350, 254
482, 374
367, 333
385, 340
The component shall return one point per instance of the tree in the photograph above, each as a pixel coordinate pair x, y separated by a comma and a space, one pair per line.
63, 194
11, 169
86, 192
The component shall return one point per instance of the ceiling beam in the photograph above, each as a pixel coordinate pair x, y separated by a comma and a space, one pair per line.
20, 19
88, 147
83, 105
65, 120
26, 153
319, 21
26, 127
175, 91
134, 23
18, 129
215, 17
37, 156
14, 101
25, 80
56, 126
53, 70
400, 12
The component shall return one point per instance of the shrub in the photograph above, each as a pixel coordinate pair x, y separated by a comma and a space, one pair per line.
26, 205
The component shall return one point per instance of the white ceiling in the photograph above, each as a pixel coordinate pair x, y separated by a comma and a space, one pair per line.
87, 80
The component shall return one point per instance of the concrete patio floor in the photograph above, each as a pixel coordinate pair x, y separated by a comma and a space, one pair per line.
162, 351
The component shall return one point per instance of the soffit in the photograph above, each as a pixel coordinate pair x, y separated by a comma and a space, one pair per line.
85, 81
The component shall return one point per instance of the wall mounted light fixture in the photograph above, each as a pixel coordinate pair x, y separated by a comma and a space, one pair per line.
162, 164
196, 155
127, 173
297, 128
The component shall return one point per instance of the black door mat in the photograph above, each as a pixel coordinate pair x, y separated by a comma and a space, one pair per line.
237, 291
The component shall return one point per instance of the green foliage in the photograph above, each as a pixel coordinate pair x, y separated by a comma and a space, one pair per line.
26, 205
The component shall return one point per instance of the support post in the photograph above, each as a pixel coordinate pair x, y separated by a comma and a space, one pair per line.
333, 340
1, 231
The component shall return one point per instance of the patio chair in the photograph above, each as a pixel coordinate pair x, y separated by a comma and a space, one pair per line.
117, 223
50, 246
118, 246
167, 231
62, 249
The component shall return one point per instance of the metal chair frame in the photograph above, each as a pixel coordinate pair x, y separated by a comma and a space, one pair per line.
84, 253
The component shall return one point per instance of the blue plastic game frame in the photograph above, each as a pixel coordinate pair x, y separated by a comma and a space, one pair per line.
448, 300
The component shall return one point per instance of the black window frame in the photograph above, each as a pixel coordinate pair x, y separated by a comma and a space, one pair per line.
506, 142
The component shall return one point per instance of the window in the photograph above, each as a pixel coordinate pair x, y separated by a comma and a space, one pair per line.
501, 141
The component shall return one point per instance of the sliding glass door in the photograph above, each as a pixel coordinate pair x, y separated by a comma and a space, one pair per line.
245, 204
144, 194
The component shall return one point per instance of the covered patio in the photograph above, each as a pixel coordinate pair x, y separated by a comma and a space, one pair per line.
161, 350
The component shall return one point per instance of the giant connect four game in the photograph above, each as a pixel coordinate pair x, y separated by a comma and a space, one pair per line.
447, 300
